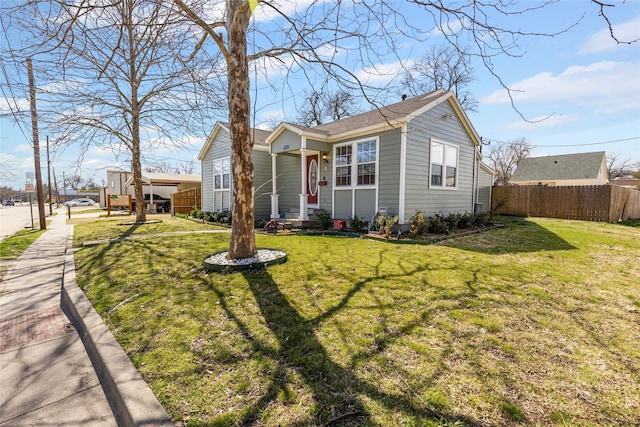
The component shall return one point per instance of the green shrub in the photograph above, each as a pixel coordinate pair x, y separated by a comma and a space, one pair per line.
466, 220
357, 224
453, 219
224, 217
418, 224
195, 212
438, 225
324, 218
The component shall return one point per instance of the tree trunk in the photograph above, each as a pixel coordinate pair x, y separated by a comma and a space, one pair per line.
141, 216
243, 240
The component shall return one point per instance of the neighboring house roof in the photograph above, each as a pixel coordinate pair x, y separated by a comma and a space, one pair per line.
559, 168
626, 181
167, 178
393, 115
259, 138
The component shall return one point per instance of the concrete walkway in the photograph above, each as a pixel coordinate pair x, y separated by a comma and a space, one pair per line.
49, 373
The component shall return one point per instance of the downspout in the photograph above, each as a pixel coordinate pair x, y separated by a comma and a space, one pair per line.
403, 174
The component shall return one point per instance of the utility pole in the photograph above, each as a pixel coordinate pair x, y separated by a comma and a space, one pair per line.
64, 186
55, 180
36, 146
49, 177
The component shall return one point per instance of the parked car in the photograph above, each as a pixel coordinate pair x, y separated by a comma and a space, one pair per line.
80, 202
160, 202
8, 203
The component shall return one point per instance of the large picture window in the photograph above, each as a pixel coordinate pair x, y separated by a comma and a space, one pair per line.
444, 165
363, 166
221, 184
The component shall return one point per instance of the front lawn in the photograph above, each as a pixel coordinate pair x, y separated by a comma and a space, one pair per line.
532, 324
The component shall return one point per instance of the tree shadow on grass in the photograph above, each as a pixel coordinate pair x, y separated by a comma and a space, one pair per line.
519, 236
336, 390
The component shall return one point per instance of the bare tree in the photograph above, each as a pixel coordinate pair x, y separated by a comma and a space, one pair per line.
188, 167
504, 158
320, 107
442, 67
161, 166
618, 167
314, 33
123, 75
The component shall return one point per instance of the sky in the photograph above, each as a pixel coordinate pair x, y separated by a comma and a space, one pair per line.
578, 91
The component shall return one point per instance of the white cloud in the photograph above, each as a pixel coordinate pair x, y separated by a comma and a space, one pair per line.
541, 122
23, 148
18, 104
605, 86
268, 67
603, 42
382, 73
284, 7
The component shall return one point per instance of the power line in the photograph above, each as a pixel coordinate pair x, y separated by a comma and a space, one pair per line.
9, 86
489, 140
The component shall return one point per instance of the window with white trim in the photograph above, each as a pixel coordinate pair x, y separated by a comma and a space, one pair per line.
221, 184
444, 165
362, 165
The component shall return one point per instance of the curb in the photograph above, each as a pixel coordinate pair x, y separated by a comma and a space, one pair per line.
131, 400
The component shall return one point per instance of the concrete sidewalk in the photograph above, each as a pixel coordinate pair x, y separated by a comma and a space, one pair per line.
49, 373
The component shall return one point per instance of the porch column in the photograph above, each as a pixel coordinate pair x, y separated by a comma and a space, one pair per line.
304, 216
274, 187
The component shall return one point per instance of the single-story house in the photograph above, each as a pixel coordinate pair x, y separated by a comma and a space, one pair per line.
217, 185
562, 170
420, 154
154, 184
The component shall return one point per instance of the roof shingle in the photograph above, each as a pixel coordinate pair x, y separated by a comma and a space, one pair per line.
561, 167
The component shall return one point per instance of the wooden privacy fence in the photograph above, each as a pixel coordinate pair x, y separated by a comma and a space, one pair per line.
607, 203
183, 201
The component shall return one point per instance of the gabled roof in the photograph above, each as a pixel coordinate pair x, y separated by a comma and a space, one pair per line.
398, 112
394, 115
561, 167
259, 138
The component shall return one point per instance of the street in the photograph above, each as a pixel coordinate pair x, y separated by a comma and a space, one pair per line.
14, 218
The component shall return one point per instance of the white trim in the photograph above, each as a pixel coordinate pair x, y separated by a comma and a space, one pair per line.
403, 173
354, 164
274, 187
221, 190
354, 173
444, 165
303, 215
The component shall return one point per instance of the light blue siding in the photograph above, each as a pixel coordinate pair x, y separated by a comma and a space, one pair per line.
288, 181
262, 184
220, 147
343, 204
285, 142
435, 124
485, 181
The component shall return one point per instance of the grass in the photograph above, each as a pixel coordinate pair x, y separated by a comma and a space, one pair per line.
13, 246
106, 228
532, 324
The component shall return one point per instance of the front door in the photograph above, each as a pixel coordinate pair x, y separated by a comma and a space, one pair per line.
312, 179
